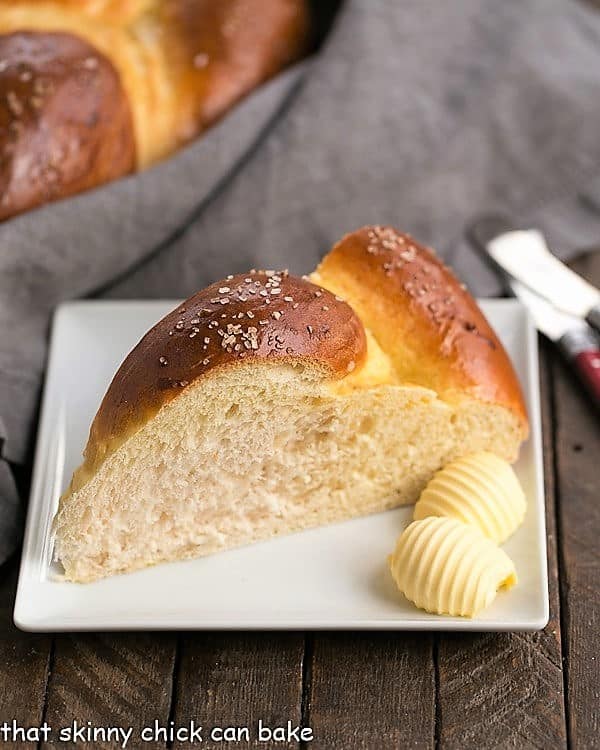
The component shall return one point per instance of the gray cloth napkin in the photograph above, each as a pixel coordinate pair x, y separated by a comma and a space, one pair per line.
416, 113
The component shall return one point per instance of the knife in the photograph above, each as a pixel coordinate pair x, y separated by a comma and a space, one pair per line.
576, 341
524, 255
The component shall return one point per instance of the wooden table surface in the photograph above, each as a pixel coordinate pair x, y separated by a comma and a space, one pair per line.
358, 690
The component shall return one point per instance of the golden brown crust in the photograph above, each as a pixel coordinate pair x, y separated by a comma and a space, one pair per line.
219, 51
255, 316
65, 123
181, 63
422, 317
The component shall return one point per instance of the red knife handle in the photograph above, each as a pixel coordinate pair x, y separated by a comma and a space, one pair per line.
587, 365
582, 351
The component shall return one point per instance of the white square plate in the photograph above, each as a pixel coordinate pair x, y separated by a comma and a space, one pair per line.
330, 577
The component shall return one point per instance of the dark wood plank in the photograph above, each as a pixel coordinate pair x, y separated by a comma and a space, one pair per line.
235, 680
578, 453
506, 690
24, 661
371, 690
111, 680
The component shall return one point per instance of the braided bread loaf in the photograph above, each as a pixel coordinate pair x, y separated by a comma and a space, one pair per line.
91, 90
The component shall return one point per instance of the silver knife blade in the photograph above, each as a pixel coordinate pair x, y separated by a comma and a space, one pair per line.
525, 256
552, 322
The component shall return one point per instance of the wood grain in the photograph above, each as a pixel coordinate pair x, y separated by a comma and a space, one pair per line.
23, 663
371, 690
578, 452
111, 680
233, 680
506, 690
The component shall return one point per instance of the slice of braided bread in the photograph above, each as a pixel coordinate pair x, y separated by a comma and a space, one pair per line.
266, 404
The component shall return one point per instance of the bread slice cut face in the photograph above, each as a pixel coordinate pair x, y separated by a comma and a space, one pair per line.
267, 404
